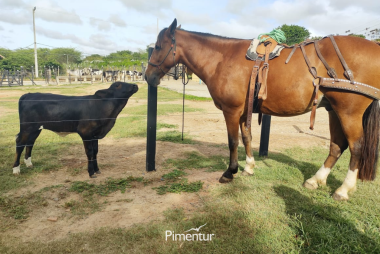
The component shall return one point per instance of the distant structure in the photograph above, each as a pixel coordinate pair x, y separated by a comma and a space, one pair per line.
373, 34
1, 57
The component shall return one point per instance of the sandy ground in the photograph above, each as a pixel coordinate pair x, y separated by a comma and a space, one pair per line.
126, 157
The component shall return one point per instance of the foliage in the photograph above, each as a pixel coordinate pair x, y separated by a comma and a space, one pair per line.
313, 38
69, 57
294, 34
357, 35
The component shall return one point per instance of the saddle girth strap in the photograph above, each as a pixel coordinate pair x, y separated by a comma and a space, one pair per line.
252, 81
348, 73
330, 71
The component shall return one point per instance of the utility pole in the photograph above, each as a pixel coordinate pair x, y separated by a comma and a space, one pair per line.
35, 46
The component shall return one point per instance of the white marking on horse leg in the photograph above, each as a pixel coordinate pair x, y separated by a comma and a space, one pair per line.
28, 162
318, 179
349, 184
16, 170
41, 127
250, 164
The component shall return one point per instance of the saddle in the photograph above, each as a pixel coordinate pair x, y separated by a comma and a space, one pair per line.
260, 72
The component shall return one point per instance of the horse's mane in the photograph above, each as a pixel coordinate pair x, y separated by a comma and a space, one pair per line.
161, 34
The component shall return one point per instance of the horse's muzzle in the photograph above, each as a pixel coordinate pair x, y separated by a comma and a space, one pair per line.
152, 80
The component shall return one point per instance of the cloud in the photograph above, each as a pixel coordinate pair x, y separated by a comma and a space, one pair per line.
1, 28
117, 21
156, 7
12, 3
17, 18
101, 25
187, 17
95, 41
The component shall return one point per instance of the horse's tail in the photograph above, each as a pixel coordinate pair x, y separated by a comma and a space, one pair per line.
370, 142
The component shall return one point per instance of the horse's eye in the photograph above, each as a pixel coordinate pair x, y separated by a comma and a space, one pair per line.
157, 47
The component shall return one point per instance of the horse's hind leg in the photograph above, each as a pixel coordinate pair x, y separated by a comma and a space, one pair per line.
338, 143
232, 121
361, 127
247, 138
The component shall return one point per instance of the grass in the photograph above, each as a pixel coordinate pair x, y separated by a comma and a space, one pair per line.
103, 189
195, 160
182, 186
269, 212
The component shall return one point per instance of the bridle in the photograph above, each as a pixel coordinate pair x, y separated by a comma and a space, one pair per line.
173, 47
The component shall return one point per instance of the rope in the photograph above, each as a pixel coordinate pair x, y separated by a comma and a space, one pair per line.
276, 34
184, 82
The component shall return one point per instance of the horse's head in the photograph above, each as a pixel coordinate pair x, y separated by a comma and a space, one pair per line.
163, 56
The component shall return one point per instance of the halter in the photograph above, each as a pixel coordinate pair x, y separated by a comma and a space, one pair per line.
173, 47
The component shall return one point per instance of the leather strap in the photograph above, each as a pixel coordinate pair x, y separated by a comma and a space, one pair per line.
264, 70
312, 69
357, 87
348, 73
255, 71
291, 53
315, 102
330, 71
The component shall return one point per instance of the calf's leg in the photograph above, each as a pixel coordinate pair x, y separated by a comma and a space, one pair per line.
91, 148
29, 146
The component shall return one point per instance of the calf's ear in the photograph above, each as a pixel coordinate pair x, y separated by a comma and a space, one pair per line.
105, 93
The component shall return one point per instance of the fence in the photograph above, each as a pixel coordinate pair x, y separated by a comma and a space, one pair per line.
52, 76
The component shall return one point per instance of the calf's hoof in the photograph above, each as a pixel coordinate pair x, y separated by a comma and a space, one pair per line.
224, 179
98, 172
310, 185
339, 197
92, 176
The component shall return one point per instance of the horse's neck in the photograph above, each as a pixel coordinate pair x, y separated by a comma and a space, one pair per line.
202, 54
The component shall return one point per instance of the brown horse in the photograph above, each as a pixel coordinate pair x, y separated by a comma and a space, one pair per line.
221, 63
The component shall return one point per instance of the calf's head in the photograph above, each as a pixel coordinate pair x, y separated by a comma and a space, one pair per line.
119, 90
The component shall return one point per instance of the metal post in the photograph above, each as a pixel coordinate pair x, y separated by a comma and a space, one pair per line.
264, 138
151, 125
35, 45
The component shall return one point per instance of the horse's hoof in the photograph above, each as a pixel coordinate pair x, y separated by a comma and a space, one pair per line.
310, 185
16, 170
245, 173
92, 176
98, 172
225, 180
339, 197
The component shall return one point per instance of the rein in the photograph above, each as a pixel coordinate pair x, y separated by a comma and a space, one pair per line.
172, 49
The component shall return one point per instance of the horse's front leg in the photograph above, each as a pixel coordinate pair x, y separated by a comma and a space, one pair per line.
247, 139
232, 121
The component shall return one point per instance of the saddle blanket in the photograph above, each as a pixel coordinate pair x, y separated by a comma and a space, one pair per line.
252, 54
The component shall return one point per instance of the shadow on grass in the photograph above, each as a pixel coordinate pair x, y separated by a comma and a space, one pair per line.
323, 227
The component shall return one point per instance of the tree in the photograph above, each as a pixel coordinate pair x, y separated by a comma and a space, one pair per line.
313, 38
357, 35
294, 34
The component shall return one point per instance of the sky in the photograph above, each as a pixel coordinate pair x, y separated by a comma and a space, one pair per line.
102, 27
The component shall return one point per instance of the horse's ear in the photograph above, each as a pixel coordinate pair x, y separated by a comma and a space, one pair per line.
173, 26
179, 27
